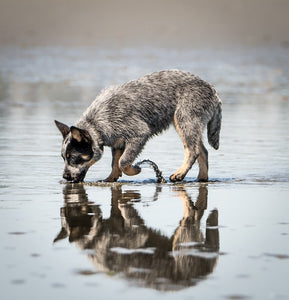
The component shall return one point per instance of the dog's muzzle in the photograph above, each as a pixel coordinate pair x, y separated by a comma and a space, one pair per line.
78, 178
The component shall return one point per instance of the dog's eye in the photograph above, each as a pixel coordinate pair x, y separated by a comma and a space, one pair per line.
85, 157
67, 155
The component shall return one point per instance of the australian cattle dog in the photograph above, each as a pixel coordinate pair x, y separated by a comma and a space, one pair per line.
125, 117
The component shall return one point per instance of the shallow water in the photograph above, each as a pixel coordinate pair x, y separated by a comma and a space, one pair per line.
225, 239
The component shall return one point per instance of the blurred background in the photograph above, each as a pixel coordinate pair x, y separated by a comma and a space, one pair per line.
182, 23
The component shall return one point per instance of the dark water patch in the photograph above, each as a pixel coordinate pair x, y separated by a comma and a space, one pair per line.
243, 276
237, 297
35, 255
58, 285
278, 256
17, 233
18, 281
85, 272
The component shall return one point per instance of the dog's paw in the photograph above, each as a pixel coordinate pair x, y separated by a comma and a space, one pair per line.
202, 179
113, 176
110, 179
176, 177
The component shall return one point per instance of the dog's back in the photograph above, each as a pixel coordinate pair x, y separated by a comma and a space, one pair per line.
147, 106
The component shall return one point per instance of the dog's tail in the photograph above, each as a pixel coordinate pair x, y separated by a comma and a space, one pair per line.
214, 126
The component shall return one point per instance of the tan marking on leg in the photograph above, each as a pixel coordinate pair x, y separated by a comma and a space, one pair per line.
131, 170
131, 151
189, 160
115, 172
203, 163
184, 168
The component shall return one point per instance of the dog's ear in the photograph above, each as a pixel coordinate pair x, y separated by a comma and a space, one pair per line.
64, 129
61, 235
80, 135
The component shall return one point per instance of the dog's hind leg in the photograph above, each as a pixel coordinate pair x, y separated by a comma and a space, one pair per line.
203, 163
132, 150
190, 131
115, 172
190, 157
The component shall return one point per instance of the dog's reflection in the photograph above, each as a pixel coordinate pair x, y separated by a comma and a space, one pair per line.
124, 244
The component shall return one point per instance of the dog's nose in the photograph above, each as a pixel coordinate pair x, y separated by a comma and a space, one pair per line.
67, 176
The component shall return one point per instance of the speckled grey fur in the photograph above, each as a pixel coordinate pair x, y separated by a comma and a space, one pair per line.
124, 117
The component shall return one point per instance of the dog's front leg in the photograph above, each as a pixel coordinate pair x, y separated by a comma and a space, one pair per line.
115, 172
132, 150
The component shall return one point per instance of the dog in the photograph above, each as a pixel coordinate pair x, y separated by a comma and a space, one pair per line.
125, 117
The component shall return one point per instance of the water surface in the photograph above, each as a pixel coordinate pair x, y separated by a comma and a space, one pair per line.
225, 239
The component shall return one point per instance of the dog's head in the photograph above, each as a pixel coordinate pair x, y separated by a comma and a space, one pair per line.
78, 151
